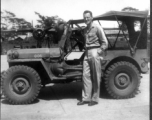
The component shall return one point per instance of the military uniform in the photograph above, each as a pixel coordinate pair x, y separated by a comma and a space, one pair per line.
94, 41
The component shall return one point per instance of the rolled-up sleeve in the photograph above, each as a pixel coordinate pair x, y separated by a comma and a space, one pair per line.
102, 38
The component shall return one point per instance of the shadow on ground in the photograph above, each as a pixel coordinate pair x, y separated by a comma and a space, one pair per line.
67, 91
61, 91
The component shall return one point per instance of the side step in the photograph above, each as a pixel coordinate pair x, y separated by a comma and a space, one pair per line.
69, 75
72, 75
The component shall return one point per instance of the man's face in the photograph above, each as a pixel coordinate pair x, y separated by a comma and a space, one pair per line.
87, 18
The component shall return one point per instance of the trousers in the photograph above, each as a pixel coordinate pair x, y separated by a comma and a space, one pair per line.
91, 75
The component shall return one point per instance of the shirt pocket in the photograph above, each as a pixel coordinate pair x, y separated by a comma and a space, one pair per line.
91, 35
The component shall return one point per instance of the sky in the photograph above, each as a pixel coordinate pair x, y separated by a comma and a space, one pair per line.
67, 9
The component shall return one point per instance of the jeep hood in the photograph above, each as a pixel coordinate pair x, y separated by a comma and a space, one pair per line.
34, 53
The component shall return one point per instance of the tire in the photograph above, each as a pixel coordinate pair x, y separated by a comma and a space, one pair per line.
2, 74
21, 84
122, 80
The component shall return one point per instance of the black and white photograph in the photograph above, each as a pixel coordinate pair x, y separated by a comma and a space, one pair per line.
75, 60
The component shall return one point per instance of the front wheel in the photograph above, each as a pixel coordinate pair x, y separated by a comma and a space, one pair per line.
21, 84
122, 80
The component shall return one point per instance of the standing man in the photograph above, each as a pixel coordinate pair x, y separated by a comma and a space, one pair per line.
95, 44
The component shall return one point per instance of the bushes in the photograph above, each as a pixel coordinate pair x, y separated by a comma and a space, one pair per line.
7, 45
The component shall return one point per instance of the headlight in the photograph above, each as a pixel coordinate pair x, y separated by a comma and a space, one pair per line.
13, 54
143, 64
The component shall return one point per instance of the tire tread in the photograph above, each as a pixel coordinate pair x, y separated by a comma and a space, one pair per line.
27, 68
109, 71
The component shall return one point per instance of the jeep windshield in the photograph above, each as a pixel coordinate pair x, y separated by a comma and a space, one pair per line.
131, 32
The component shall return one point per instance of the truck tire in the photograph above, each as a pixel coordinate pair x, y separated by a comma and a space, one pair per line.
21, 84
2, 73
122, 80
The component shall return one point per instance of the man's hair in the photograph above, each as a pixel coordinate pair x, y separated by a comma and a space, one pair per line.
88, 11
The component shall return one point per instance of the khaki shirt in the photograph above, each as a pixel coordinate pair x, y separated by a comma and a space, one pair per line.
95, 37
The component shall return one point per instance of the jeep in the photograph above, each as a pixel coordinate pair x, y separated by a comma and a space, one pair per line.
124, 61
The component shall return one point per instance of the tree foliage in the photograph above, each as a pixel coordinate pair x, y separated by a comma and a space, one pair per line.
45, 21
10, 21
129, 9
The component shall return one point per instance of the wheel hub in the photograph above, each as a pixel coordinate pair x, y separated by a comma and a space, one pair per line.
20, 85
122, 80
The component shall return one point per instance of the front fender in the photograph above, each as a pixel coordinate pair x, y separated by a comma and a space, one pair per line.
34, 63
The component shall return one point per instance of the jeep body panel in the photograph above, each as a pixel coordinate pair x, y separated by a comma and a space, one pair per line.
33, 61
35, 53
139, 58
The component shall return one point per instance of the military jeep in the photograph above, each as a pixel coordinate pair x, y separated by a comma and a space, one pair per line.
124, 61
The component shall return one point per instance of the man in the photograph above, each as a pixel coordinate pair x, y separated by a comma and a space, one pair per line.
95, 44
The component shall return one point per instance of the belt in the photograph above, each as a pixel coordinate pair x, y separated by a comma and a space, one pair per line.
91, 47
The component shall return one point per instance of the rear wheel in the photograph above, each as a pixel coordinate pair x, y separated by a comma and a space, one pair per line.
122, 80
21, 84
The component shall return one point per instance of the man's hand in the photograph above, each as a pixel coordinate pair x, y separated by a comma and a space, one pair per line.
100, 51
